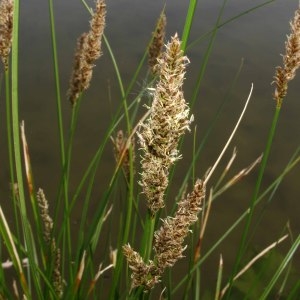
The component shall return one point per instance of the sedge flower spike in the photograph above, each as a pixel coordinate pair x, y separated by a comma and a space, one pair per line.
6, 28
291, 60
168, 241
87, 52
169, 119
156, 46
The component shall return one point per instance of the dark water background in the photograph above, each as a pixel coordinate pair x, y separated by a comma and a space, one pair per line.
256, 38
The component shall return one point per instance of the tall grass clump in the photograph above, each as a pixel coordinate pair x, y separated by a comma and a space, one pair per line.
131, 242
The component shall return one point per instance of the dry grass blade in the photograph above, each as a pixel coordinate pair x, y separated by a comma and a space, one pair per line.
14, 254
219, 280
230, 138
97, 276
238, 177
228, 166
27, 160
80, 271
248, 266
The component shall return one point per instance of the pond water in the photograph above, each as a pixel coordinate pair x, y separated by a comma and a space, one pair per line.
256, 39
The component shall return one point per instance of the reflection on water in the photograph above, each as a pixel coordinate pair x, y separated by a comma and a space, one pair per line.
257, 39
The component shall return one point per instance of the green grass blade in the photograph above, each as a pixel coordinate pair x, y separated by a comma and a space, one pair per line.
10, 148
205, 35
17, 150
188, 23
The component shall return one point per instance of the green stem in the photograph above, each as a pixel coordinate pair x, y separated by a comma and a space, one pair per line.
10, 149
17, 157
188, 23
57, 83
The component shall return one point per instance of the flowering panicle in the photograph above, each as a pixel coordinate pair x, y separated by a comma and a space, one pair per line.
6, 28
291, 60
156, 46
168, 120
168, 241
87, 51
50, 242
142, 274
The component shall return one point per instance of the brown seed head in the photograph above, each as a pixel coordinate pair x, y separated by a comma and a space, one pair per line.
156, 46
168, 240
87, 51
6, 28
46, 219
142, 274
291, 61
168, 120
50, 242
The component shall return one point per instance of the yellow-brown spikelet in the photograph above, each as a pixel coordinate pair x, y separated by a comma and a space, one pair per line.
168, 240
156, 46
291, 60
6, 28
142, 274
50, 242
44, 212
87, 51
169, 119
58, 283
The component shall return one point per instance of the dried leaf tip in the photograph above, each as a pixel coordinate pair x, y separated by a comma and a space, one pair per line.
87, 51
291, 60
156, 46
6, 29
169, 118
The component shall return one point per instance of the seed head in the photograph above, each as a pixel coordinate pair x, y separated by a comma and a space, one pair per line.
291, 60
6, 28
156, 46
168, 120
87, 51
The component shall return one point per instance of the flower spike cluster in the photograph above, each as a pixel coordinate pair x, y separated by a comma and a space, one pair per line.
155, 48
169, 119
57, 279
168, 241
6, 28
291, 60
88, 50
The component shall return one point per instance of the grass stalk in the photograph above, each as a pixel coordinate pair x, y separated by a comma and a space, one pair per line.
11, 148
17, 148
188, 23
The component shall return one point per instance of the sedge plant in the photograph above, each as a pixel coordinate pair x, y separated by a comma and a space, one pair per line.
50, 261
